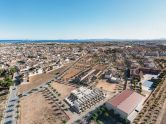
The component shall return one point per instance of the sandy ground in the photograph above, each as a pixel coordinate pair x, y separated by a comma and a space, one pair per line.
110, 87
63, 89
36, 80
81, 66
35, 109
2, 105
100, 67
71, 72
163, 117
145, 93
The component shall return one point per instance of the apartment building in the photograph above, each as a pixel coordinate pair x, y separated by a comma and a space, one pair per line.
84, 98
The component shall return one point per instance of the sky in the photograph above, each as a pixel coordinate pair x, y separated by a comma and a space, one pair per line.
82, 19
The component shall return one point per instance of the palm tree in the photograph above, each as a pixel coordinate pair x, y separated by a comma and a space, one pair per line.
106, 114
111, 112
99, 122
125, 121
117, 116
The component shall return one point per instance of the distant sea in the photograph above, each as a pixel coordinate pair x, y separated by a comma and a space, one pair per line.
41, 41
56, 41
82, 41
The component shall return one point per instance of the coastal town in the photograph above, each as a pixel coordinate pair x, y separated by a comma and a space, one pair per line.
83, 82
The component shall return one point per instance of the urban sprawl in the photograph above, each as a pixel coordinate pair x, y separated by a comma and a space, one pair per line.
83, 83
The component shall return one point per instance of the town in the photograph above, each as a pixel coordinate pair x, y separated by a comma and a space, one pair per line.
83, 83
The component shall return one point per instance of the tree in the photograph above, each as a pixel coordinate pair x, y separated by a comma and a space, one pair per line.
125, 121
6, 82
140, 86
99, 122
111, 112
106, 114
95, 116
64, 121
99, 111
12, 70
117, 116
134, 84
103, 109
1, 71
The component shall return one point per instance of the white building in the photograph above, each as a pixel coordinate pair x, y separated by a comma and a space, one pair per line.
146, 83
108, 75
36, 72
83, 98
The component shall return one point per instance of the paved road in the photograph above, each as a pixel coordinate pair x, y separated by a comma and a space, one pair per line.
10, 111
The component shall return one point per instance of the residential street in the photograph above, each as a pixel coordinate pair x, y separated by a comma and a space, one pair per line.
10, 113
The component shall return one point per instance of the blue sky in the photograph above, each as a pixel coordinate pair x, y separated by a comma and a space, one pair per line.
82, 19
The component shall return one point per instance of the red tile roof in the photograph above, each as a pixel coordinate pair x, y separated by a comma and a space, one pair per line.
121, 97
129, 104
126, 101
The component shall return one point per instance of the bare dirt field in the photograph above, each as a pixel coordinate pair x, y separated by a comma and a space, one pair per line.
71, 72
2, 105
36, 80
162, 115
103, 84
63, 89
163, 120
100, 67
81, 66
35, 109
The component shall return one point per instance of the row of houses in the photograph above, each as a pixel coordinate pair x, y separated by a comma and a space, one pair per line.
84, 98
138, 72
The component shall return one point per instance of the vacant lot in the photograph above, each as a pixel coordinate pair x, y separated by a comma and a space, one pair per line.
163, 120
162, 115
34, 81
63, 89
100, 67
71, 72
2, 105
35, 109
103, 84
81, 66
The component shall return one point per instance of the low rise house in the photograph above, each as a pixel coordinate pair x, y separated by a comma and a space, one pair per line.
147, 83
112, 76
152, 53
36, 72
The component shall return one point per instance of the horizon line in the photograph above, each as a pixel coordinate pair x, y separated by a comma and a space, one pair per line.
90, 39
